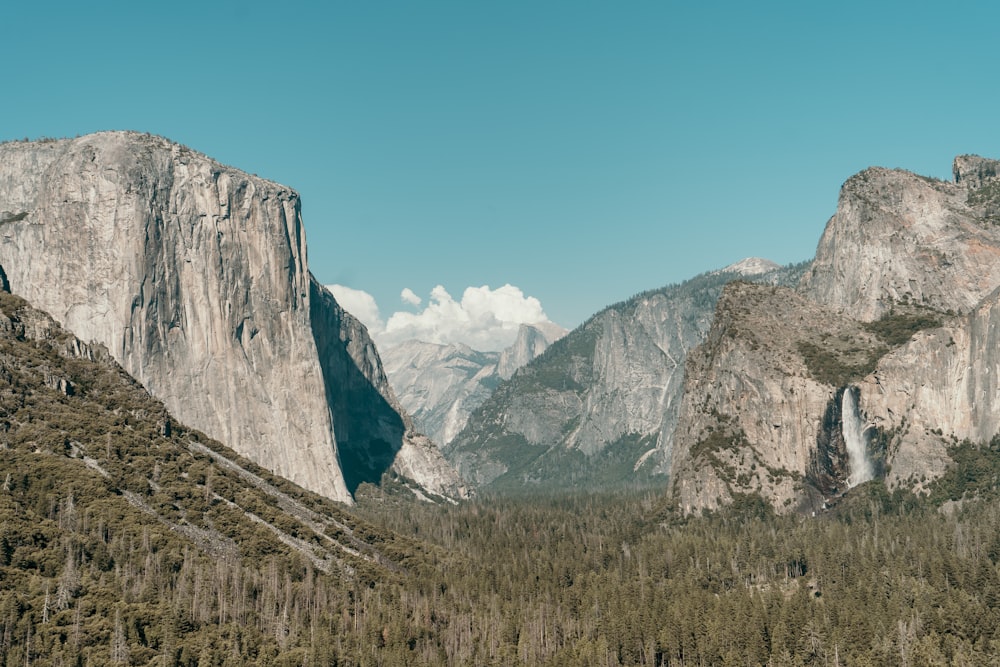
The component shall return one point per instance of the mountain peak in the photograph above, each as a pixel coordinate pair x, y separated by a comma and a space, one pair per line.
751, 266
974, 171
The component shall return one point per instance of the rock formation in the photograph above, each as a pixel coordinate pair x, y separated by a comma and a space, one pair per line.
940, 387
766, 396
755, 398
531, 341
898, 237
440, 385
194, 276
600, 405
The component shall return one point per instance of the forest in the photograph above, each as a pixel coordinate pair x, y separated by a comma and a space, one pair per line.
127, 539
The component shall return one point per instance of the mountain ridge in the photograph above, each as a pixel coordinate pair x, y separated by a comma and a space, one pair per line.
599, 405
441, 384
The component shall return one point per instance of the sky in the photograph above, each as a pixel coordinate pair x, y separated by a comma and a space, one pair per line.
573, 153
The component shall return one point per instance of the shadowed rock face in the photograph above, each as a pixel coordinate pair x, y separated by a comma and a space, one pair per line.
369, 430
194, 276
374, 434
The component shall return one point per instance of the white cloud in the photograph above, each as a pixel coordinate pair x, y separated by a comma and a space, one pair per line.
410, 297
361, 304
485, 319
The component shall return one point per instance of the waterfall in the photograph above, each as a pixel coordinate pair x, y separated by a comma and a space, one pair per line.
856, 443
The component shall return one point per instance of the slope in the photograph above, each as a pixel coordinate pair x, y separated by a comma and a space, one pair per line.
599, 407
126, 537
194, 275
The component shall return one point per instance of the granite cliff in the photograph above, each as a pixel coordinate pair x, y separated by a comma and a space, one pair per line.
194, 276
598, 407
763, 398
899, 237
882, 360
440, 385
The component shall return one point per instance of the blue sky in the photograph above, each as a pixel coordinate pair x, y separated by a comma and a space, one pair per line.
581, 151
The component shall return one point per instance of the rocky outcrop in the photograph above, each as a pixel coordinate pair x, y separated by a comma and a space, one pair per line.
974, 172
872, 339
762, 392
599, 406
897, 237
762, 404
194, 276
531, 341
440, 385
943, 386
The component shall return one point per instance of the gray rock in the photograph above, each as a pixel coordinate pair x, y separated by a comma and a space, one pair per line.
531, 341
974, 172
440, 385
898, 237
752, 415
194, 276
875, 316
599, 407
940, 387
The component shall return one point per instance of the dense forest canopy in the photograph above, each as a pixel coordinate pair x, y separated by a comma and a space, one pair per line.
126, 539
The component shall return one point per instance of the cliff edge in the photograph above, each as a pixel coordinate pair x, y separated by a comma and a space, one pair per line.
194, 275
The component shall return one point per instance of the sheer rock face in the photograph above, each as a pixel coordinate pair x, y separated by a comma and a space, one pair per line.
752, 412
193, 275
762, 393
942, 386
757, 419
900, 237
599, 406
440, 385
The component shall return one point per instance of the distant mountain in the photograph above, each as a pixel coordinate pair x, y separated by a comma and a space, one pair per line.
440, 385
531, 341
751, 266
872, 362
598, 408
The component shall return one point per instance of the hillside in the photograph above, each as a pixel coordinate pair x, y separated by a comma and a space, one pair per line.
598, 408
128, 538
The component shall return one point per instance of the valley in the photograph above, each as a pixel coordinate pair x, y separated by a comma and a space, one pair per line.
207, 461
